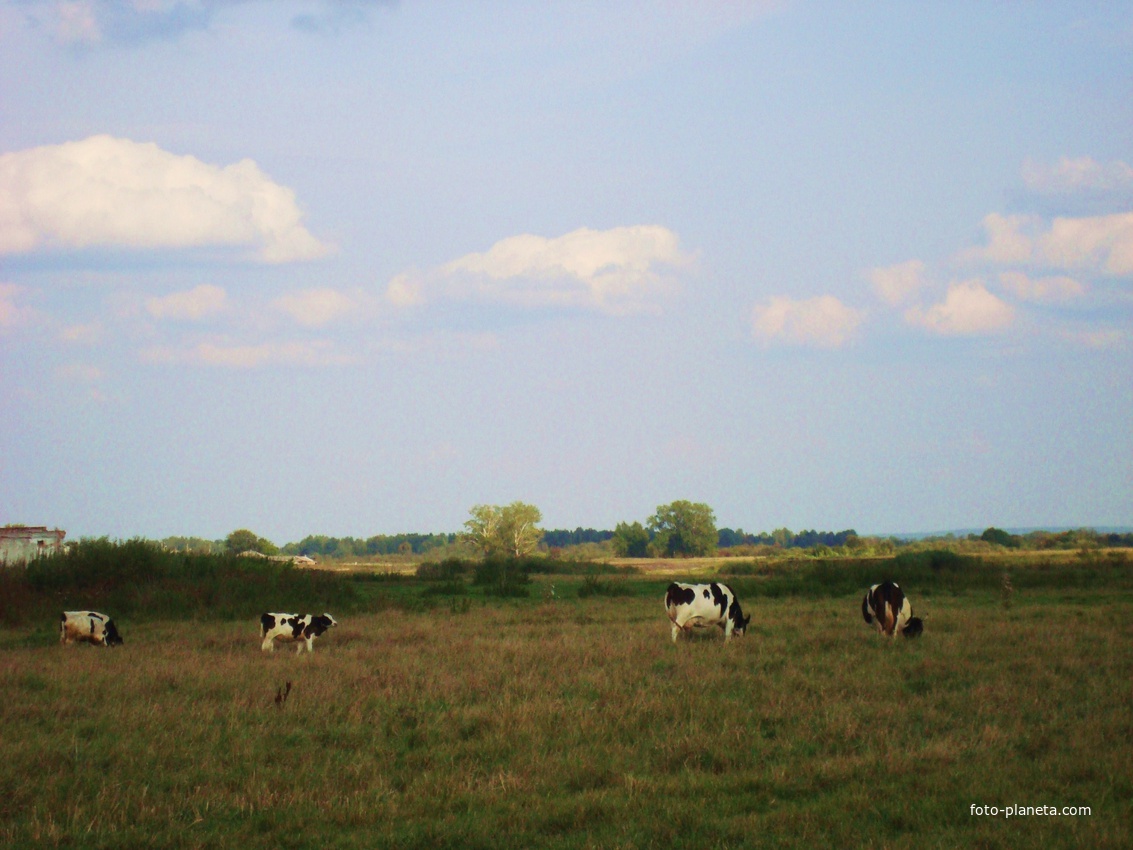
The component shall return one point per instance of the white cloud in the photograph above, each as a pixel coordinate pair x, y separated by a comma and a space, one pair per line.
316, 307
824, 321
248, 356
190, 305
614, 271
1103, 243
82, 334
895, 284
1042, 290
1068, 176
75, 23
1009, 239
116, 193
967, 309
1092, 243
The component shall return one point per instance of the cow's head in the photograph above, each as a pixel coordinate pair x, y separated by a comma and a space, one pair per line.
739, 621
110, 634
913, 628
322, 622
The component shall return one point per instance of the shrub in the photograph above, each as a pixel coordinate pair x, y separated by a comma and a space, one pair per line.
502, 577
448, 570
594, 586
141, 577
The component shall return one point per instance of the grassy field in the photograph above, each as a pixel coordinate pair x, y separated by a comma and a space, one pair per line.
564, 722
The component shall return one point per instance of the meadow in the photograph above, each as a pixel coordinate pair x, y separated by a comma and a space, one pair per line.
451, 718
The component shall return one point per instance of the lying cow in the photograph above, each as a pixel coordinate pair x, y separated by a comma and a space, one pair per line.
887, 607
88, 626
698, 605
292, 627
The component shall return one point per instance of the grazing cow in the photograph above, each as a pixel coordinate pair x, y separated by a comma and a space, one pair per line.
89, 626
887, 607
294, 628
691, 605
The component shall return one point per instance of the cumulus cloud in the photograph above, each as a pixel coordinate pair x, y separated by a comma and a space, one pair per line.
621, 270
1084, 174
895, 284
1103, 243
1041, 290
116, 193
190, 305
967, 309
319, 353
316, 307
824, 322
1093, 243
1010, 240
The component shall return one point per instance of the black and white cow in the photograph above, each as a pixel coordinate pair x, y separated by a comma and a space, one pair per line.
887, 607
693, 605
293, 627
88, 626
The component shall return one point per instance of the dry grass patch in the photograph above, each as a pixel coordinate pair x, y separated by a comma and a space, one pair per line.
576, 724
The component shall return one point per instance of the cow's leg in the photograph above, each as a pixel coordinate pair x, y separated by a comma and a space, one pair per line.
268, 645
676, 631
727, 627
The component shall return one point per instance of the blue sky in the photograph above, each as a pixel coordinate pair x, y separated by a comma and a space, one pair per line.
354, 267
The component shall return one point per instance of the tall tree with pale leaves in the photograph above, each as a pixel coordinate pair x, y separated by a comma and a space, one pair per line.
511, 530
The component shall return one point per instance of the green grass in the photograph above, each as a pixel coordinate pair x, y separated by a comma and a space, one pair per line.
567, 722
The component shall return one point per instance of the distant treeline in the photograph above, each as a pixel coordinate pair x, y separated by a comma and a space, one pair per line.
783, 538
736, 540
379, 544
560, 537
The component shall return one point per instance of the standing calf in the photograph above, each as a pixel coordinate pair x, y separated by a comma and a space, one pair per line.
89, 626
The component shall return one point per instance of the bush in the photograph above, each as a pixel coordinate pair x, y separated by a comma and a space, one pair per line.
448, 570
502, 577
139, 577
594, 586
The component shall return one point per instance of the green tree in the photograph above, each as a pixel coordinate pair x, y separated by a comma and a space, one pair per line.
243, 540
1000, 537
512, 530
782, 537
684, 528
631, 541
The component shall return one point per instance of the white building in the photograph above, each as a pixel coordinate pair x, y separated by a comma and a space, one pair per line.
20, 543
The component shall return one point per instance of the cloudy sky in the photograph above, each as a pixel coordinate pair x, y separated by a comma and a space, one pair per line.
354, 267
